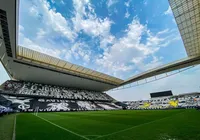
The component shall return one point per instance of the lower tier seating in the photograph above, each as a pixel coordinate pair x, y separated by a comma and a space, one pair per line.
178, 101
29, 104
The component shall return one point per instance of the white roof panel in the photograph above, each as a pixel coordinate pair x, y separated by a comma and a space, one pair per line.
43, 59
187, 15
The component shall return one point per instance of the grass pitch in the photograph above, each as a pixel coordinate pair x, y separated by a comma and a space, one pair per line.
7, 127
110, 125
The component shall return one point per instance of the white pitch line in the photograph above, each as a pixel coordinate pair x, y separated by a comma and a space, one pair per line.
63, 128
13, 136
93, 135
136, 126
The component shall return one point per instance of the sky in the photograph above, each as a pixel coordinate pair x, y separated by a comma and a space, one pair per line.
118, 37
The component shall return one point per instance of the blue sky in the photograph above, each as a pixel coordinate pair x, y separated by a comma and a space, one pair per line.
120, 38
117, 37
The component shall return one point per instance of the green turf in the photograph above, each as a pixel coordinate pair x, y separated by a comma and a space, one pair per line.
111, 125
6, 127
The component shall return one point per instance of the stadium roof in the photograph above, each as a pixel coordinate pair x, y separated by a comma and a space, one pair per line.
32, 56
25, 64
187, 15
186, 62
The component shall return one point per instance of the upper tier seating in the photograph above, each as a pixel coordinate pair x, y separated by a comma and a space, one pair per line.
27, 96
33, 89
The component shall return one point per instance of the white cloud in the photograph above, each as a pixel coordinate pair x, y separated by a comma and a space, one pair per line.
111, 2
168, 36
21, 28
127, 15
34, 11
90, 24
163, 31
117, 58
145, 2
155, 62
50, 18
28, 43
62, 2
53, 25
128, 52
88, 21
168, 12
106, 40
31, 45
170, 39
41, 33
80, 52
127, 4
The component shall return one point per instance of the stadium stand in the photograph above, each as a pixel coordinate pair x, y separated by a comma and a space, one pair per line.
191, 100
5, 110
33, 89
27, 96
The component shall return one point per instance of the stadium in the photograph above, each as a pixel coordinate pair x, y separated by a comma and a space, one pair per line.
49, 98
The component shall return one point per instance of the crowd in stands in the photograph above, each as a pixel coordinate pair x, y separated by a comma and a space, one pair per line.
33, 89
28, 104
5, 110
180, 101
27, 96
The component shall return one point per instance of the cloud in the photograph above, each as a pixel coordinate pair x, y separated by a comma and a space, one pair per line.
127, 4
21, 28
123, 50
145, 2
168, 12
79, 51
41, 33
49, 17
28, 43
34, 11
62, 2
111, 2
31, 45
129, 53
87, 21
127, 15
49, 31
163, 31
